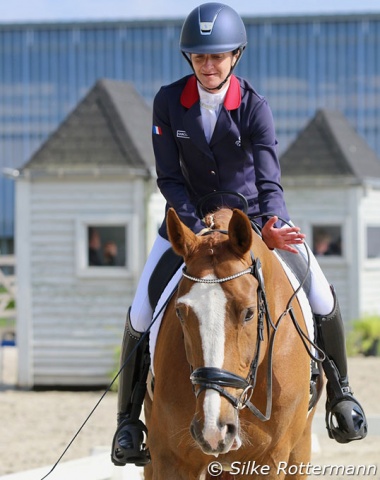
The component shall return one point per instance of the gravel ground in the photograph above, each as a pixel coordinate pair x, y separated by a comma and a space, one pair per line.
36, 426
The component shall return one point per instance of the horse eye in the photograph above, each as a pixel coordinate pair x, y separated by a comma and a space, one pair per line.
249, 314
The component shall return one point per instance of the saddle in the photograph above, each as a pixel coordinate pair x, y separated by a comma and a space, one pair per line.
166, 267
296, 263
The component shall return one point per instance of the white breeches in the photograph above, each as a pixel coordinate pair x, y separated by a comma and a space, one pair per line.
141, 311
320, 296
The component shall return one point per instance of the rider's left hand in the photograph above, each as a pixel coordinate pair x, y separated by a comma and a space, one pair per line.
283, 238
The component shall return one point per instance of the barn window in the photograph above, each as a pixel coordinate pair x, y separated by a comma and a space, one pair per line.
373, 242
327, 240
106, 246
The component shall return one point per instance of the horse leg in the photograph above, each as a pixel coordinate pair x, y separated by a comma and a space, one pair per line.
300, 455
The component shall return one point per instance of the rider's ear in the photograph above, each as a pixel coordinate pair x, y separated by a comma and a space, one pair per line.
240, 232
183, 240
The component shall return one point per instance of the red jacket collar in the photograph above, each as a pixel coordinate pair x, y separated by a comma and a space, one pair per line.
232, 99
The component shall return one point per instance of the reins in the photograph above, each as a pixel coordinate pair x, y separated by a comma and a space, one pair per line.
306, 340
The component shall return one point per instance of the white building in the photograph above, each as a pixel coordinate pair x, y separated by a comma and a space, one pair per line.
331, 180
90, 182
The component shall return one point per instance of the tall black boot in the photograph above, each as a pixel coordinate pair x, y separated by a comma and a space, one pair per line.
128, 443
345, 418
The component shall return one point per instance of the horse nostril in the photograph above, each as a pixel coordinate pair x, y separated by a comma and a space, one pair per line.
231, 429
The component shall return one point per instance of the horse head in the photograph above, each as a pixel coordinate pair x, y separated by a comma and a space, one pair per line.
216, 305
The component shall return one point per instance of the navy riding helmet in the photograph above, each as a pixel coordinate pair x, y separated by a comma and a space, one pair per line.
213, 28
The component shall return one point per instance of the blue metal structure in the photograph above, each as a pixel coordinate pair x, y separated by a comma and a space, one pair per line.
299, 63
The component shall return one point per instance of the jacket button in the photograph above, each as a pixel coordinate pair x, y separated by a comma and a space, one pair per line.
212, 172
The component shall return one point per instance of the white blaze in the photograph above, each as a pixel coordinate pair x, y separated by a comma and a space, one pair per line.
208, 302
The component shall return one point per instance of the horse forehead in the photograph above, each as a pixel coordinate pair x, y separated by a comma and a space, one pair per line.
208, 301
204, 297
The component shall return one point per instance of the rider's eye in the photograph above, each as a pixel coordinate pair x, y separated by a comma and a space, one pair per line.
249, 314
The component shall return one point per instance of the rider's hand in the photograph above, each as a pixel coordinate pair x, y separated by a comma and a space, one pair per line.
282, 238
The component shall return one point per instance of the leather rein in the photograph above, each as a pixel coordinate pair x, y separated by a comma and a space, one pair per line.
219, 379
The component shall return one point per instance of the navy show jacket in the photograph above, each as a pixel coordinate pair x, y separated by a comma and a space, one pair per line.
241, 155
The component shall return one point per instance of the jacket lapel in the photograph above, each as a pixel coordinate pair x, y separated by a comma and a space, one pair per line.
192, 121
222, 126
231, 102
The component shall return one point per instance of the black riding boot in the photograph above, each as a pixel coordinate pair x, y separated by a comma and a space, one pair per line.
345, 418
128, 443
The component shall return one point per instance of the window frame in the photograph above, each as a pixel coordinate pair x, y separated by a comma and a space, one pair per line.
327, 225
83, 269
328, 260
371, 261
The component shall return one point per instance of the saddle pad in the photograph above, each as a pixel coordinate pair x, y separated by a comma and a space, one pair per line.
172, 286
302, 298
159, 312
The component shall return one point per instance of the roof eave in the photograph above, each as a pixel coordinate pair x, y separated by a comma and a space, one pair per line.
320, 181
82, 172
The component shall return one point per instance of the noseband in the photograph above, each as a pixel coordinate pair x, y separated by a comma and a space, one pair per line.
217, 379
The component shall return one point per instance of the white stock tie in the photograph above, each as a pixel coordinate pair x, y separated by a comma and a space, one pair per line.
210, 107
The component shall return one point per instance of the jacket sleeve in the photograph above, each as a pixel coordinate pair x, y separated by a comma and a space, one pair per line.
170, 179
266, 163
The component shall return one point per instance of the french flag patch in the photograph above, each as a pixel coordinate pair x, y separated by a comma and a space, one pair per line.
157, 130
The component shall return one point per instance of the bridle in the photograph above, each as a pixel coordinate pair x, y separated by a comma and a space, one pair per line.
219, 379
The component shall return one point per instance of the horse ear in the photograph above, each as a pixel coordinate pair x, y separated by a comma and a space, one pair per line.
183, 240
240, 232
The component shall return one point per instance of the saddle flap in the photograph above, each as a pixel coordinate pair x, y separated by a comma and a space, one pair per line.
166, 267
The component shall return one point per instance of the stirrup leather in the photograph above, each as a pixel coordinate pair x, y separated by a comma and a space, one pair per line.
129, 444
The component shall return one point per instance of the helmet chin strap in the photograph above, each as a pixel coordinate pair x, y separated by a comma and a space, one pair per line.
241, 49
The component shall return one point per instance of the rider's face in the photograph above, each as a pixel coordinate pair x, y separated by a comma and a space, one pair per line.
212, 69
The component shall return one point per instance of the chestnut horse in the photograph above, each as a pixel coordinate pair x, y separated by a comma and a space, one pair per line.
227, 341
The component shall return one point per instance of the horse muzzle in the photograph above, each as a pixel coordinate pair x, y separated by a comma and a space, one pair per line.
219, 436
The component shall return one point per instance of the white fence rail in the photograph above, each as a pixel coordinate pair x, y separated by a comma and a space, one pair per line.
7, 286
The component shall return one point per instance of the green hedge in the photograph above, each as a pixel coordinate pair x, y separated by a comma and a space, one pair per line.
364, 338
